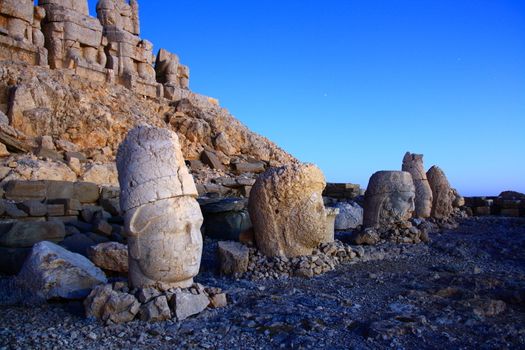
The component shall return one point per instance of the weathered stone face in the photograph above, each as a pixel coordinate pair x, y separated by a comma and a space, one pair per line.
413, 163
389, 198
170, 72
287, 211
162, 217
443, 194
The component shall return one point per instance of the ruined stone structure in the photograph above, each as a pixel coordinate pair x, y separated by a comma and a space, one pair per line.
413, 163
171, 73
107, 48
443, 194
389, 199
129, 56
161, 214
74, 39
287, 211
20, 36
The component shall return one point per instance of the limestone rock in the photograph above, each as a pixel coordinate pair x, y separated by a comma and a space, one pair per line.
52, 272
110, 256
444, 197
162, 218
287, 210
233, 258
331, 214
459, 200
350, 216
413, 163
102, 174
218, 300
155, 310
26, 234
389, 199
185, 304
111, 306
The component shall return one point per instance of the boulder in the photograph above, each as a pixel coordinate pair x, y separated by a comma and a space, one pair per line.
350, 216
233, 258
444, 197
287, 210
111, 256
413, 163
52, 272
185, 304
210, 158
226, 218
25, 234
389, 199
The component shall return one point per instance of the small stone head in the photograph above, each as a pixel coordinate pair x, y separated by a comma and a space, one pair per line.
389, 198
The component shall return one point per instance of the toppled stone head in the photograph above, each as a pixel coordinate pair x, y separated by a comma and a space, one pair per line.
162, 217
413, 163
389, 199
287, 210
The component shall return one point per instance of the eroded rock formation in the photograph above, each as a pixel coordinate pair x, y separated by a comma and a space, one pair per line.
287, 211
389, 199
162, 217
413, 163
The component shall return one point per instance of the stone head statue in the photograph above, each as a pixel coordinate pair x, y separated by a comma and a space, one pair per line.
443, 194
119, 14
287, 210
162, 217
389, 198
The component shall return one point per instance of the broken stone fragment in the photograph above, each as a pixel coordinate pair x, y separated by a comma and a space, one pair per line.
413, 163
185, 304
443, 194
155, 310
233, 258
110, 256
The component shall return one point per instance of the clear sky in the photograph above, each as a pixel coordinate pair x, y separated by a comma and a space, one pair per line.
351, 85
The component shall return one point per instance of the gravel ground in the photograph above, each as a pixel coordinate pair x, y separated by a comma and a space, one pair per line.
465, 289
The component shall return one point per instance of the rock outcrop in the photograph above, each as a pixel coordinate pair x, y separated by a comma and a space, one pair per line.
162, 217
350, 216
287, 211
389, 199
444, 197
413, 163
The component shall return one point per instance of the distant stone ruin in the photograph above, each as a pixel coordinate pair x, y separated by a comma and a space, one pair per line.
62, 35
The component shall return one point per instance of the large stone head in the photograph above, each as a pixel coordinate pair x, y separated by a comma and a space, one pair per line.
389, 198
287, 210
162, 217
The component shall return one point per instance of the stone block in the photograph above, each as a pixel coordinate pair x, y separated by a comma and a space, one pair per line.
102, 227
56, 210
185, 304
12, 210
26, 234
78, 243
20, 190
250, 167
86, 192
482, 211
33, 208
58, 190
512, 212
233, 257
210, 158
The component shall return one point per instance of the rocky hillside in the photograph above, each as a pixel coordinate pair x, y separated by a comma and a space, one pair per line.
92, 118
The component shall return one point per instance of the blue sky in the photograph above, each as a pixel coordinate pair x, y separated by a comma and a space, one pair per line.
351, 85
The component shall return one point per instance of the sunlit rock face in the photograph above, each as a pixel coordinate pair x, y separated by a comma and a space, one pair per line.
389, 199
413, 163
287, 211
162, 217
443, 194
